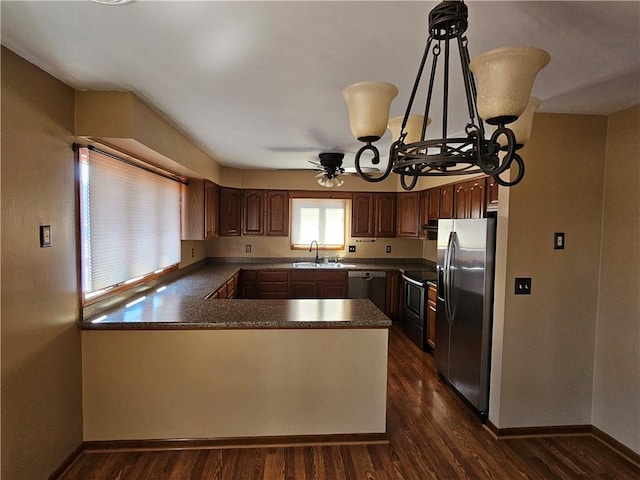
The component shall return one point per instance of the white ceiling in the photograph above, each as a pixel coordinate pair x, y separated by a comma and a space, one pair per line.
258, 84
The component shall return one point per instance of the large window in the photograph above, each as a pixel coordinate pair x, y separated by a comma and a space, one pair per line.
320, 219
130, 223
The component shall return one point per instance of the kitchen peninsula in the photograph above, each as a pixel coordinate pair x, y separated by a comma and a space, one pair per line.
179, 366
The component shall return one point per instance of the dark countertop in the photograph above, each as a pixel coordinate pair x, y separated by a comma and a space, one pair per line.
182, 305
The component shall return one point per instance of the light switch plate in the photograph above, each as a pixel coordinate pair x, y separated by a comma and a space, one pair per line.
558, 240
523, 286
352, 249
45, 236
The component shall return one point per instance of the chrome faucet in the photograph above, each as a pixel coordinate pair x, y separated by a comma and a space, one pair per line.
311, 248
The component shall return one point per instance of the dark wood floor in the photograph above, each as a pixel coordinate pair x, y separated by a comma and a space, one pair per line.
432, 434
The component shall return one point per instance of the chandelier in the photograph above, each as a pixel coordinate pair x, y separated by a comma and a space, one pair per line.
500, 97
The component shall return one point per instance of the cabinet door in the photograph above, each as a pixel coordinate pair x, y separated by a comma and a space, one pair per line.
278, 214
431, 317
362, 215
393, 295
300, 289
408, 214
461, 200
446, 201
477, 198
211, 227
249, 284
433, 213
492, 192
332, 290
230, 212
385, 215
254, 212
193, 210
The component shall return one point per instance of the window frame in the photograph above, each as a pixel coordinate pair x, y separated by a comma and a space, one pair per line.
321, 246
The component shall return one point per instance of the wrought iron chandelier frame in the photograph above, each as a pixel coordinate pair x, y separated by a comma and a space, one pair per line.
448, 22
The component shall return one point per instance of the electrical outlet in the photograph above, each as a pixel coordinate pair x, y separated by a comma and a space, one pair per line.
558, 240
352, 249
388, 248
247, 248
193, 252
523, 286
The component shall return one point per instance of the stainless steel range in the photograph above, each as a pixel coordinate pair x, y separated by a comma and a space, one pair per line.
415, 304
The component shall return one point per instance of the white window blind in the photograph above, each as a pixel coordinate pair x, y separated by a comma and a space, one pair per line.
130, 221
320, 219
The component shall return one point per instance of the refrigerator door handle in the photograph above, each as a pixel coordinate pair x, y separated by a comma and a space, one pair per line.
447, 278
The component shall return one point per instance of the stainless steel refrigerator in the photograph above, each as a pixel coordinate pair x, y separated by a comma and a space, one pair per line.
466, 254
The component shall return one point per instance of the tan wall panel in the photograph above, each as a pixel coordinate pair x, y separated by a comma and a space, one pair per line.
616, 395
233, 383
546, 358
41, 357
123, 121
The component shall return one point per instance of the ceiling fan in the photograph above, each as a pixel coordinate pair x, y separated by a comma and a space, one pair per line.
330, 168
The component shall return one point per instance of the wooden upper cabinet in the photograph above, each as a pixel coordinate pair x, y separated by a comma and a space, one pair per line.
446, 201
199, 210
408, 214
230, 211
253, 212
477, 198
211, 200
470, 198
277, 213
362, 214
492, 192
373, 214
461, 200
385, 219
433, 214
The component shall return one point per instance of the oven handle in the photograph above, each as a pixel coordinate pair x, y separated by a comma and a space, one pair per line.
412, 281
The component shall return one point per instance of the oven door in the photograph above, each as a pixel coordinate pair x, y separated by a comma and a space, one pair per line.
415, 311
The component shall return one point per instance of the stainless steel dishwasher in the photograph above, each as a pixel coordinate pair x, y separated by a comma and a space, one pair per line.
368, 284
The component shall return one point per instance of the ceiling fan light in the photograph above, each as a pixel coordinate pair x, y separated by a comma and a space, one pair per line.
330, 182
413, 128
368, 104
521, 128
504, 78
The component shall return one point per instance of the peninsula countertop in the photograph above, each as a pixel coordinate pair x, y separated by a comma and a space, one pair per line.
181, 304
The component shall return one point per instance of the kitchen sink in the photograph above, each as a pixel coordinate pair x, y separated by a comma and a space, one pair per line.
330, 265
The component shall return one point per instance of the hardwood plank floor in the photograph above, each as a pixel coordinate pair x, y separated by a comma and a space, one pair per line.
432, 434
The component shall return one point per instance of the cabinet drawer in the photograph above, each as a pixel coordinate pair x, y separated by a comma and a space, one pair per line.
249, 275
318, 276
274, 276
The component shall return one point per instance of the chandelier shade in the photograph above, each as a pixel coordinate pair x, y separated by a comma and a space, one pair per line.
369, 104
522, 127
504, 79
414, 127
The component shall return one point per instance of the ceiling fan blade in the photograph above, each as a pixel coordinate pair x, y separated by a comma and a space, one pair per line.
352, 170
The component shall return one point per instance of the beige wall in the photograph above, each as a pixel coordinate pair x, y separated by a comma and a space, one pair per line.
41, 355
616, 393
544, 342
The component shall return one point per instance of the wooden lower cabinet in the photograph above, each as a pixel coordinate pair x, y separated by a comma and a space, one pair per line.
249, 284
431, 317
318, 284
273, 283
